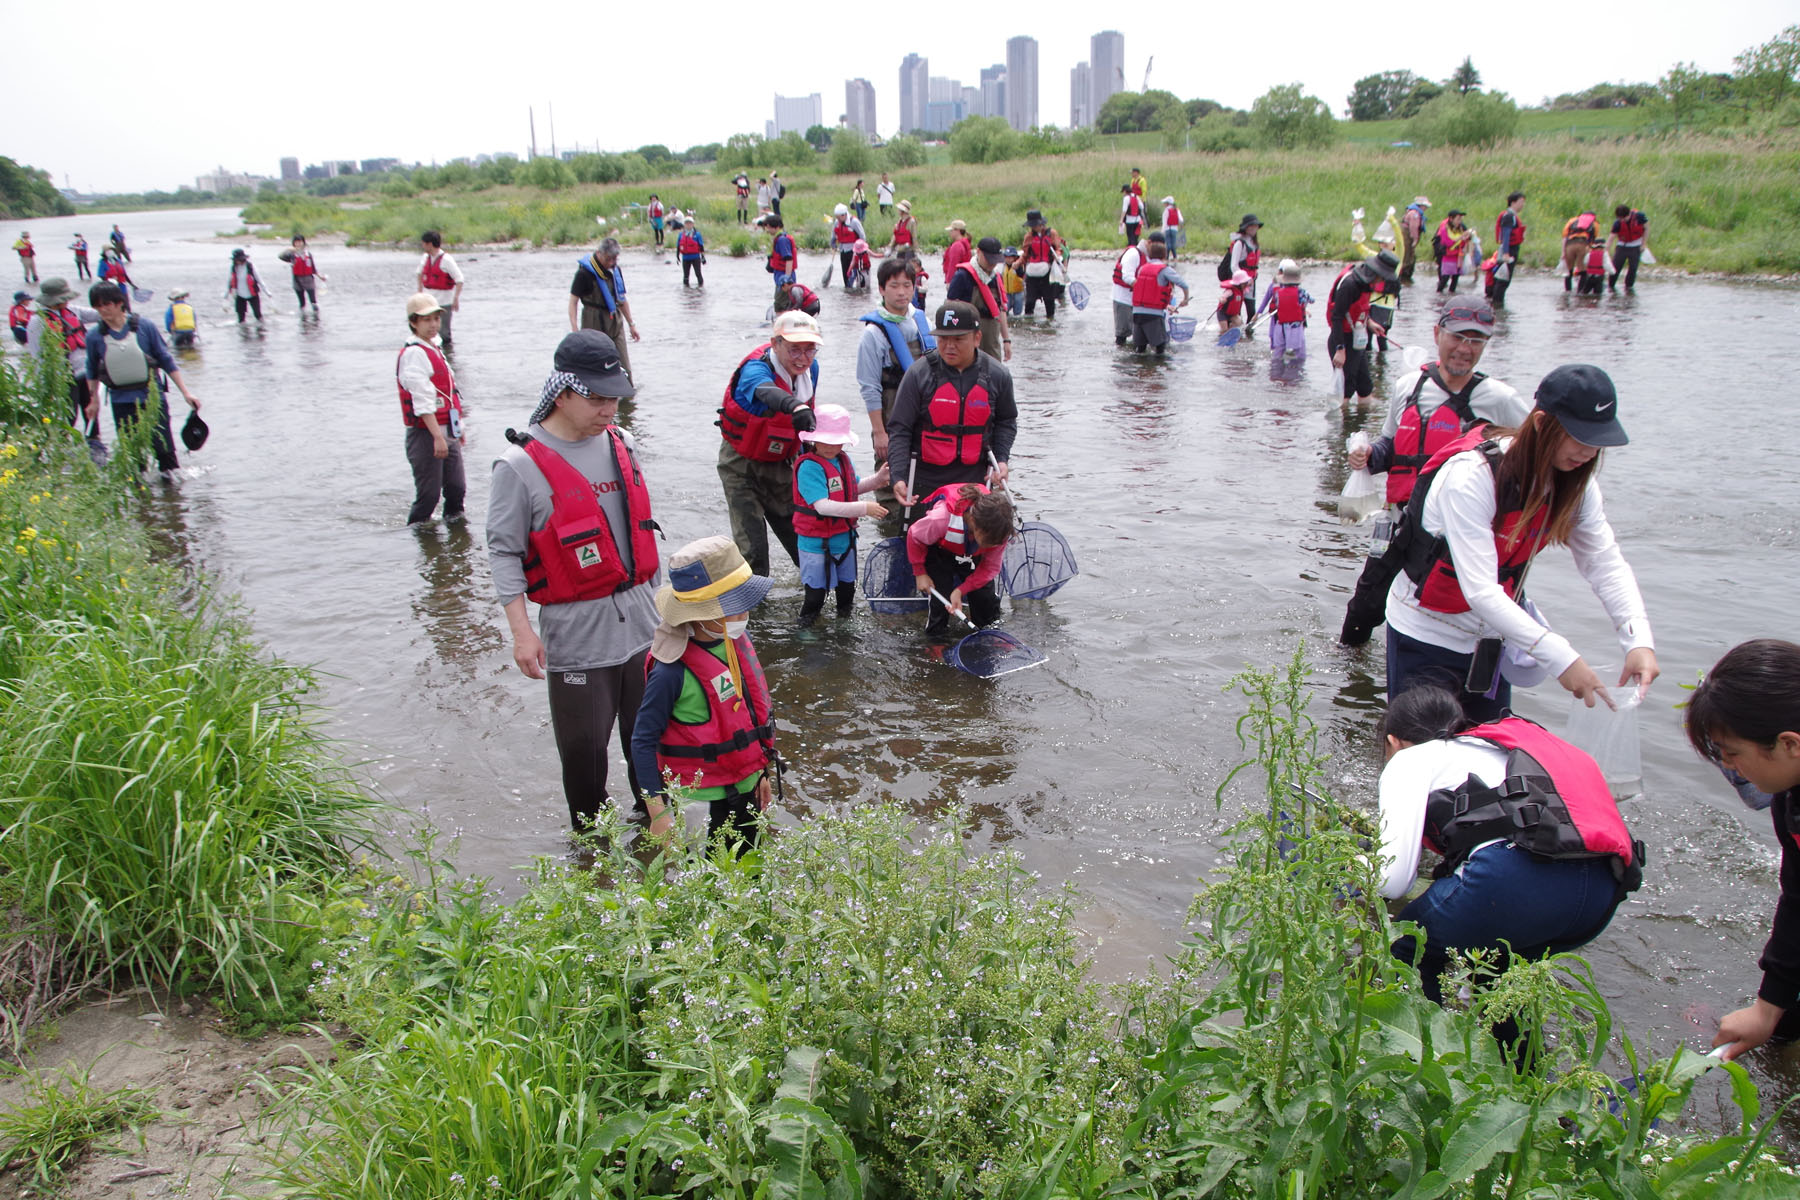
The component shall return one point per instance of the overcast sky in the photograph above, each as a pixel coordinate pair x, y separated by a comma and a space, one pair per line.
173, 91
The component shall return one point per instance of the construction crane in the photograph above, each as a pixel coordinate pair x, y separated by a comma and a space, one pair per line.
1147, 67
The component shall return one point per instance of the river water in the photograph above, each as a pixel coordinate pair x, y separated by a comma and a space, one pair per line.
1198, 494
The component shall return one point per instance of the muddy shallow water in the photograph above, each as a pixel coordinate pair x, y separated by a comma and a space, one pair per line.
1198, 494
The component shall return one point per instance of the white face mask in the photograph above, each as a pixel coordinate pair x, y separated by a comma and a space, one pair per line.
737, 629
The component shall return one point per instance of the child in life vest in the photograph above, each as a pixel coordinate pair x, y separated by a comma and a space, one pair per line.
1234, 301
957, 548
19, 316
1287, 332
692, 248
1012, 280
827, 508
704, 724
1593, 271
179, 320
1745, 719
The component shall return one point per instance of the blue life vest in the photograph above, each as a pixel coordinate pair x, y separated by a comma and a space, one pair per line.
902, 352
606, 284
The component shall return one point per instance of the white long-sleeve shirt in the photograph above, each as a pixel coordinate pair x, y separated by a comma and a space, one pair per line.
1460, 507
1407, 783
1128, 269
1493, 401
415, 376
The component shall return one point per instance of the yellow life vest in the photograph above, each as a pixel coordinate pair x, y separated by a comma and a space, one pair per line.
184, 318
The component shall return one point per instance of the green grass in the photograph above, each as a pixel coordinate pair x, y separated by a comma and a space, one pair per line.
1716, 203
168, 810
62, 1117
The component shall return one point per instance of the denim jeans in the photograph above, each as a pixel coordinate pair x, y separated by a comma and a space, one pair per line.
1504, 894
1411, 661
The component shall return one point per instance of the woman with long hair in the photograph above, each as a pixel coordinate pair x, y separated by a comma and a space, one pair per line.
1745, 716
1500, 497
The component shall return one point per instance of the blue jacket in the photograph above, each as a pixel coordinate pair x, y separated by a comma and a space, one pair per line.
150, 340
758, 374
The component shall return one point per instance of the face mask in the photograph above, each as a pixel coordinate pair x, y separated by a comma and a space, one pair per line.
737, 629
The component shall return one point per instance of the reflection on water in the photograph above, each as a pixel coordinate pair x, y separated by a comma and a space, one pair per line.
1199, 494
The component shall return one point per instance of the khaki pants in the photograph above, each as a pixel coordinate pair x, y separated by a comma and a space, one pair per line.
594, 316
759, 497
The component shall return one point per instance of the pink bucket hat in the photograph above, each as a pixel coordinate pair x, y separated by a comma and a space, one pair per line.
831, 426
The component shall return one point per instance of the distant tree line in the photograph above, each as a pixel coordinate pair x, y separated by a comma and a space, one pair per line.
28, 192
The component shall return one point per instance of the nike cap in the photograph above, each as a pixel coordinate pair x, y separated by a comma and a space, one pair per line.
1584, 402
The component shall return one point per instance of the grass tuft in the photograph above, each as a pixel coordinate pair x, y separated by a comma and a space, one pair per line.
62, 1118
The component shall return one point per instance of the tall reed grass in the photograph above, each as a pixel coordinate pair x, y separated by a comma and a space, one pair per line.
167, 806
1717, 202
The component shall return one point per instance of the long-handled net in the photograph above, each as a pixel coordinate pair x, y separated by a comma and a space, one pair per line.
1038, 562
887, 579
988, 653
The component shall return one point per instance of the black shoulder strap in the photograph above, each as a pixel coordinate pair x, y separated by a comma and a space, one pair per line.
1461, 402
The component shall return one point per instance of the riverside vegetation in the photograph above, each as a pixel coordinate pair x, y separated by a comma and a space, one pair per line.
1717, 201
862, 1008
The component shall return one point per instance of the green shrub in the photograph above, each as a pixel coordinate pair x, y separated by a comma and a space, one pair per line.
1475, 119
984, 140
851, 154
1284, 119
903, 152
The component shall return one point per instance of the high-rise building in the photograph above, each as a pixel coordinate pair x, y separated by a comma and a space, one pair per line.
971, 98
993, 90
797, 114
1106, 54
1021, 82
290, 170
915, 74
943, 91
1081, 96
859, 105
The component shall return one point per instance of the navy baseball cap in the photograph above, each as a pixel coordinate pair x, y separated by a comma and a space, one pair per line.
1585, 403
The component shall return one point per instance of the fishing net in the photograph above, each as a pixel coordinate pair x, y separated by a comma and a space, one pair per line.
1078, 295
990, 652
1038, 562
887, 579
1181, 329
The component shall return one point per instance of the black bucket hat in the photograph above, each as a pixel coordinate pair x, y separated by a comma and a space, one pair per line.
194, 431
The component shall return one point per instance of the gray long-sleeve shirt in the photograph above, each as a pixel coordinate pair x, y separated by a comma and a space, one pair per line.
875, 353
587, 633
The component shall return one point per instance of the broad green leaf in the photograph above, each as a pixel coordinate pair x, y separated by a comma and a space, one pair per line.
797, 1133
1493, 1128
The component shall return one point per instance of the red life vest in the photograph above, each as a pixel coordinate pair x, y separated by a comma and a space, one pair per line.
1518, 232
781, 264
1554, 803
1428, 563
74, 335
1252, 254
303, 265
729, 746
1041, 247
1145, 291
955, 425
1134, 206
19, 316
802, 298
956, 537
441, 380
1358, 310
840, 484
987, 293
1119, 279
656, 209
576, 555
1417, 442
903, 232
687, 243
1171, 216
433, 276
766, 437
1631, 229
1581, 227
1289, 308
1596, 259
843, 233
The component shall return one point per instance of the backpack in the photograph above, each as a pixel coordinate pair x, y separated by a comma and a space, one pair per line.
781, 191
1225, 263
1438, 249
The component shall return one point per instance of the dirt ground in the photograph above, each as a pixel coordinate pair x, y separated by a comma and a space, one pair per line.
212, 1089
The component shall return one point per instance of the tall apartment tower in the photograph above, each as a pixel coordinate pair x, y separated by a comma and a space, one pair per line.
993, 91
859, 105
1081, 96
1021, 82
915, 90
1106, 56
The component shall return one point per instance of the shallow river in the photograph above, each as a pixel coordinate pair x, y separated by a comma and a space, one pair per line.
1199, 496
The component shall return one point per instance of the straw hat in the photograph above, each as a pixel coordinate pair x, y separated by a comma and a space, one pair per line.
905, 206
708, 581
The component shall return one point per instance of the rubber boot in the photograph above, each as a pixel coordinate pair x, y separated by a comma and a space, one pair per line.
846, 598
811, 606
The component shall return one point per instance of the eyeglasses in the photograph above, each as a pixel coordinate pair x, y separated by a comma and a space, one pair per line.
1462, 339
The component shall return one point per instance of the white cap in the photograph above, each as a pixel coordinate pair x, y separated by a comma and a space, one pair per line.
840, 211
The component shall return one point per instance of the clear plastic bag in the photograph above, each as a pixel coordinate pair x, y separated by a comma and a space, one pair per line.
1610, 736
1362, 496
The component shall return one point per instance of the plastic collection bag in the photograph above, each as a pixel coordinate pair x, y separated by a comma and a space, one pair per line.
1362, 496
1647, 258
1610, 736
1337, 384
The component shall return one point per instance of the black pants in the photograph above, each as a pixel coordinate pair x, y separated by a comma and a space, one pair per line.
1133, 229
306, 288
82, 270
814, 602
1149, 331
845, 258
696, 267
982, 605
584, 705
1625, 261
1040, 287
162, 440
743, 210
434, 477
253, 303
736, 815
1357, 379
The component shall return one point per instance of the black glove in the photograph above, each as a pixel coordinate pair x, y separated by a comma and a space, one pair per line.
804, 421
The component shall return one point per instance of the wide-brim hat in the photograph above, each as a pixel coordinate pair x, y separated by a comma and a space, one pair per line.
831, 426
1384, 266
178, 295
709, 580
1422, 202
194, 431
54, 291
905, 206
1249, 220
1585, 403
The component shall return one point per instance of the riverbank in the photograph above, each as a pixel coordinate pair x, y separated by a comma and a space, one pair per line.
1716, 203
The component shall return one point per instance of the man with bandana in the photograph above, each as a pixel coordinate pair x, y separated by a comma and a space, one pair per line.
569, 529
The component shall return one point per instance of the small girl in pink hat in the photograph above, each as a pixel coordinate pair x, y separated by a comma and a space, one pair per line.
827, 508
